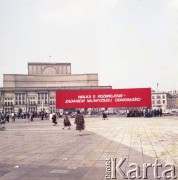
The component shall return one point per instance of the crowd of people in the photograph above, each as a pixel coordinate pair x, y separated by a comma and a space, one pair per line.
79, 119
145, 112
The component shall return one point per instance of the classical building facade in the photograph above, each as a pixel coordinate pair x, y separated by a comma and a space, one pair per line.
35, 91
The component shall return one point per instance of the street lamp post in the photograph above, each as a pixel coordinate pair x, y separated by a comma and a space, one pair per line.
42, 105
157, 86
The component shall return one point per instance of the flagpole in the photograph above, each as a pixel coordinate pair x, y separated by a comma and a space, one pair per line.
157, 86
42, 105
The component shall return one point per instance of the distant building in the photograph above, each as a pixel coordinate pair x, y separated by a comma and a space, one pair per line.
173, 92
175, 98
162, 100
35, 91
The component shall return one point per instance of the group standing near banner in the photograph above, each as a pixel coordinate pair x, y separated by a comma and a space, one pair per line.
145, 112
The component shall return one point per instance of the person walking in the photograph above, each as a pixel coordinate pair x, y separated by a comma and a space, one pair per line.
42, 115
13, 116
80, 122
31, 116
66, 121
160, 112
54, 119
7, 116
105, 115
2, 125
50, 116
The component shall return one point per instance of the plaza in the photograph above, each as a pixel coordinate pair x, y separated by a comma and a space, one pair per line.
39, 150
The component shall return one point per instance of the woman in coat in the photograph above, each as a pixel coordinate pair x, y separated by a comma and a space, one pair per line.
80, 122
66, 121
105, 115
54, 119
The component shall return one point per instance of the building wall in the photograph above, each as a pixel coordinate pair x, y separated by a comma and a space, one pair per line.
159, 100
36, 90
16, 80
49, 68
162, 100
33, 100
176, 101
1, 100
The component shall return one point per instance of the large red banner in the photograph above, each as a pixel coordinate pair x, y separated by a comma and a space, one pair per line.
103, 98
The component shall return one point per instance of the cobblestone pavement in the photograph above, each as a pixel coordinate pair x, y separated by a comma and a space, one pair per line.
39, 150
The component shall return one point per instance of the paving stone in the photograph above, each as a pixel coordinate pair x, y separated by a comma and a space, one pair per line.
43, 151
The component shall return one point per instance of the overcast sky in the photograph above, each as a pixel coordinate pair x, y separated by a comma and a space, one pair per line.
129, 43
